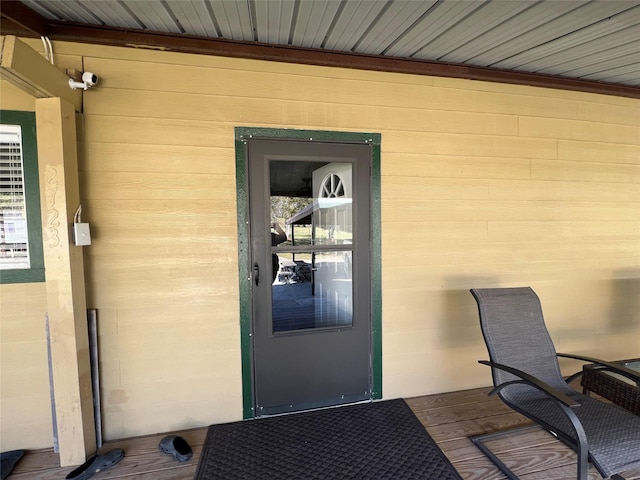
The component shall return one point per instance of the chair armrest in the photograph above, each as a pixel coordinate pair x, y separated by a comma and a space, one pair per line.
615, 367
536, 382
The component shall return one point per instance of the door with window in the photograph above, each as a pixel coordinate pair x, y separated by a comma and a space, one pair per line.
310, 232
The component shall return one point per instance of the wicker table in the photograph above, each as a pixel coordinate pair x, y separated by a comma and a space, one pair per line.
613, 387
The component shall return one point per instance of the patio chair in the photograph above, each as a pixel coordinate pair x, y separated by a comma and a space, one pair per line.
527, 377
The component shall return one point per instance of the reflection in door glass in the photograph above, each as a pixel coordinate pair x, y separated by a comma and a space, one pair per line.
312, 287
302, 302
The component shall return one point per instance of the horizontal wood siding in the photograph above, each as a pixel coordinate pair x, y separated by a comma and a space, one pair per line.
25, 406
160, 191
482, 185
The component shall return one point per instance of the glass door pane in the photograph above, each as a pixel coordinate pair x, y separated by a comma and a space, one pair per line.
312, 247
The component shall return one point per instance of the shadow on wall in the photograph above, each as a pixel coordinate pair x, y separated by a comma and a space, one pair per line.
461, 325
625, 300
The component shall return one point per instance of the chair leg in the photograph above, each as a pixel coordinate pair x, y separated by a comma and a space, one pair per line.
582, 446
495, 460
583, 463
478, 441
582, 453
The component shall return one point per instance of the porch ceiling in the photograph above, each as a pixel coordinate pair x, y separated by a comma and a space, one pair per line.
572, 42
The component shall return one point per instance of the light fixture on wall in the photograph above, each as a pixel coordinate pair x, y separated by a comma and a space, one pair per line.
89, 79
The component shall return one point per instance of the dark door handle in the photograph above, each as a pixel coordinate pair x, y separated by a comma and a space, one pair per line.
256, 273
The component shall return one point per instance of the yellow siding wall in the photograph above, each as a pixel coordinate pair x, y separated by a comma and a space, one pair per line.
25, 408
482, 185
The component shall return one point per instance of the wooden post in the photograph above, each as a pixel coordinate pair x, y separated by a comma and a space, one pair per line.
28, 70
66, 301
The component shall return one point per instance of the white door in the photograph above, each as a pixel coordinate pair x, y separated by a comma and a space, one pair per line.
333, 225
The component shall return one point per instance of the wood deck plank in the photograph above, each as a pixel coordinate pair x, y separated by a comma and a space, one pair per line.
450, 418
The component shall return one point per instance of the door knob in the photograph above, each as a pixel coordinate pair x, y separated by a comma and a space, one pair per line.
256, 273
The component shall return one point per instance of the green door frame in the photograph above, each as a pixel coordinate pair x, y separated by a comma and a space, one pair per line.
242, 134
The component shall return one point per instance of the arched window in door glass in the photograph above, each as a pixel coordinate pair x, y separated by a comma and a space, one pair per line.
332, 214
332, 187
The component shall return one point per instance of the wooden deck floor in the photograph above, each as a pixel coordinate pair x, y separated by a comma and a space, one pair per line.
450, 418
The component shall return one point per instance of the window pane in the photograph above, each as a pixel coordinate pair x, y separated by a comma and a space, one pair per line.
313, 290
14, 241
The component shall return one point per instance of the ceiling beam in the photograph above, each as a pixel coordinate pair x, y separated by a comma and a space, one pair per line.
17, 14
22, 66
82, 33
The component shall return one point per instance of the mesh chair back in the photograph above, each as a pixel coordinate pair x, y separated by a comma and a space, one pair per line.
515, 334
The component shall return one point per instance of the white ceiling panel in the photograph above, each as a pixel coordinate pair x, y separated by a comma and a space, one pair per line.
71, 11
434, 23
545, 34
234, 19
467, 29
194, 17
394, 21
607, 65
569, 31
501, 35
274, 21
354, 21
313, 23
153, 15
590, 53
112, 13
629, 75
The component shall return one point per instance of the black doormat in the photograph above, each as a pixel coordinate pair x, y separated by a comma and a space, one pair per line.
371, 441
